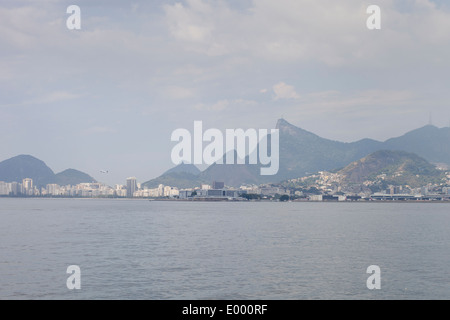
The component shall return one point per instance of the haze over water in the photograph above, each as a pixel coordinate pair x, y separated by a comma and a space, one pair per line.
137, 249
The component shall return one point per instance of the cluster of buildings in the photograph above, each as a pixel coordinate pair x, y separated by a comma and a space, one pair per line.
132, 189
323, 186
214, 191
16, 188
330, 186
27, 189
85, 190
206, 192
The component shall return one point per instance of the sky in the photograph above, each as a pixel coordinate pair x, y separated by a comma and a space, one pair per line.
108, 96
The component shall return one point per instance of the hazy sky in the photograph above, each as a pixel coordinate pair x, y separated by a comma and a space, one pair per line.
108, 96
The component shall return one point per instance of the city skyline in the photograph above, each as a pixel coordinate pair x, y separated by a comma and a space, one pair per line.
323, 186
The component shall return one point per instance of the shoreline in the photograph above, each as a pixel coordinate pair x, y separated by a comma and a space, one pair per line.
229, 201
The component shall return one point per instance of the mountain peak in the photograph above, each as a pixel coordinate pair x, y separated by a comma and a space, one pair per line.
184, 167
282, 122
25, 157
289, 129
72, 177
427, 127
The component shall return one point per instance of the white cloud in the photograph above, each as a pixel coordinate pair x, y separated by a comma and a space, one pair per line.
178, 93
284, 91
220, 105
330, 32
367, 104
190, 23
52, 97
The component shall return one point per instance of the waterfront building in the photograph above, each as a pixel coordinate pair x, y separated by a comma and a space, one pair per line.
184, 194
218, 185
131, 186
27, 184
15, 188
5, 188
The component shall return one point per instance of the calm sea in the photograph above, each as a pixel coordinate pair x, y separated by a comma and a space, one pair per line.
137, 249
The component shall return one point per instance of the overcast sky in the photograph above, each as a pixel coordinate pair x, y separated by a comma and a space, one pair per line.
108, 96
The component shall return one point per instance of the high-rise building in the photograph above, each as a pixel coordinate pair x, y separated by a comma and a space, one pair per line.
15, 188
218, 185
161, 190
5, 188
27, 185
131, 186
53, 189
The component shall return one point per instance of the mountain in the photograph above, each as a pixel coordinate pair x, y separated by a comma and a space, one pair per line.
181, 180
429, 142
390, 167
303, 152
26, 166
188, 175
184, 167
72, 177
232, 174
182, 176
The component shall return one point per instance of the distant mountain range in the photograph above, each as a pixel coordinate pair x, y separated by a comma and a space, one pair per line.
233, 174
26, 166
303, 152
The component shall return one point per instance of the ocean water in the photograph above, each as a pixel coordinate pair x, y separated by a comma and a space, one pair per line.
138, 249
